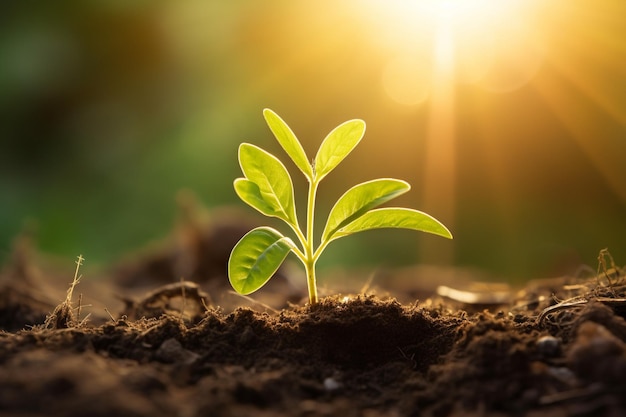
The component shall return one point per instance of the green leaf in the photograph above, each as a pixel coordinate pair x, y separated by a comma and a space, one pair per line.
394, 217
288, 141
256, 257
250, 193
272, 180
361, 198
337, 145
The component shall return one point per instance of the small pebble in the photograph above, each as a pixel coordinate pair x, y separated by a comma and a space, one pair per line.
548, 346
171, 351
331, 384
597, 354
562, 373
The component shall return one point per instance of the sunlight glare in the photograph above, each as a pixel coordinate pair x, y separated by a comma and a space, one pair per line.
438, 43
495, 45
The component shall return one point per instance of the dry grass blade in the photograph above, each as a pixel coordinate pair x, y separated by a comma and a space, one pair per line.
607, 287
63, 316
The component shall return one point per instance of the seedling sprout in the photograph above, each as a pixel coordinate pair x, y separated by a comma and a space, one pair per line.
267, 187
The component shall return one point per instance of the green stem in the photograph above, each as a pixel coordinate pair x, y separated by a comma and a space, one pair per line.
301, 238
309, 264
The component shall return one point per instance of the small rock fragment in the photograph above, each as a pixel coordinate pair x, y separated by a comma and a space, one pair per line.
331, 384
548, 346
171, 351
597, 354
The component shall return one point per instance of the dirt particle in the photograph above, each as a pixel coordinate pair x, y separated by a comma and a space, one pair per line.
172, 351
597, 354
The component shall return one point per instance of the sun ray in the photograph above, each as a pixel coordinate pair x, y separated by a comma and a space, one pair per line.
439, 172
584, 53
584, 86
579, 117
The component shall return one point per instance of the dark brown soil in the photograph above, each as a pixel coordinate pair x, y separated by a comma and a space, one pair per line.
554, 348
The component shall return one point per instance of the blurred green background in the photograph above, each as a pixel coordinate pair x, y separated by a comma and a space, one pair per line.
510, 124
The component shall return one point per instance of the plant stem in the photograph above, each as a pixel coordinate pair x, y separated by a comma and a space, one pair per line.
309, 264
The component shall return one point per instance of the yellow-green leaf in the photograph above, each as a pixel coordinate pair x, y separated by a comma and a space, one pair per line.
359, 199
272, 180
394, 217
288, 141
250, 193
337, 145
256, 257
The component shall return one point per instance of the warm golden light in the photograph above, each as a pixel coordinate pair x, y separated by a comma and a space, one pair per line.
495, 44
406, 80
436, 44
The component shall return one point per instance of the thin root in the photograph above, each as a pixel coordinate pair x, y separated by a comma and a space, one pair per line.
579, 303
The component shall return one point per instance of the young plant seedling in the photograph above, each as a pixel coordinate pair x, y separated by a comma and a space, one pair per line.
267, 187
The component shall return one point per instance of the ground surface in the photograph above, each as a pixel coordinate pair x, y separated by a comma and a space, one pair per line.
554, 348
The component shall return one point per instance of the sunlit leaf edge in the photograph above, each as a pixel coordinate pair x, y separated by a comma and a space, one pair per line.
256, 257
383, 190
397, 218
289, 141
279, 187
344, 137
